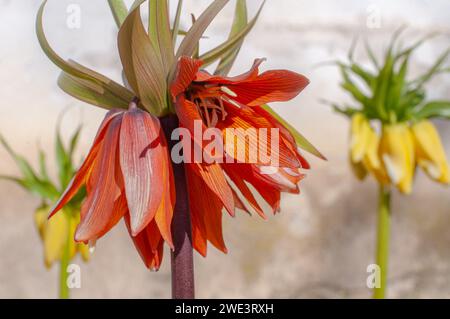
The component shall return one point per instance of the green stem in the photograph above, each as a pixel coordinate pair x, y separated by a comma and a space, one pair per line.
384, 221
119, 11
64, 263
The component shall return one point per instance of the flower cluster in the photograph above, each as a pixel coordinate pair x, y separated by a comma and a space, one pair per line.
57, 233
391, 133
128, 172
392, 158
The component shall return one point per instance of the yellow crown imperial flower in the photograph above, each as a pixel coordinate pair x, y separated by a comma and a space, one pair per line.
359, 134
364, 147
430, 152
360, 131
383, 93
372, 160
397, 154
55, 232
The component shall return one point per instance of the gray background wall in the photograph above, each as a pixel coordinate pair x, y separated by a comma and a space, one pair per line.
322, 242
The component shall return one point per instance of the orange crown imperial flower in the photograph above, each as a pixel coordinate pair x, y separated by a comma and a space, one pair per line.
234, 102
128, 173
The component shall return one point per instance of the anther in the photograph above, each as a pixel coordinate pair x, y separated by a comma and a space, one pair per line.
227, 90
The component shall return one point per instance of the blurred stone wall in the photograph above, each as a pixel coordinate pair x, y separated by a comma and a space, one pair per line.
321, 244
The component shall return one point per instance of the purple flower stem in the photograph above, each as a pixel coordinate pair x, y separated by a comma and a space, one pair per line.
182, 262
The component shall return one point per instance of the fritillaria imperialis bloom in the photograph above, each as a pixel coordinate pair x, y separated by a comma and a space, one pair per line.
127, 174
57, 233
128, 171
429, 152
237, 103
404, 137
391, 133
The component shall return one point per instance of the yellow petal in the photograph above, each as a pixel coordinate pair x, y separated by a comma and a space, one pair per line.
430, 152
79, 247
358, 169
360, 129
40, 219
55, 238
84, 251
74, 221
397, 154
372, 159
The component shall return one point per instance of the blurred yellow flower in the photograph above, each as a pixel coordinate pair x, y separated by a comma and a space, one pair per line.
55, 233
372, 160
384, 94
430, 152
358, 144
364, 150
397, 154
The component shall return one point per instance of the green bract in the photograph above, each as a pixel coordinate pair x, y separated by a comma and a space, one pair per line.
149, 56
37, 181
388, 94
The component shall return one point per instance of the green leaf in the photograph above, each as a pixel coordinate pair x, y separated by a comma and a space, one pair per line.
344, 110
119, 11
97, 83
29, 180
365, 75
383, 85
434, 109
196, 53
411, 48
176, 23
302, 142
43, 189
81, 90
24, 167
142, 63
74, 142
239, 23
43, 165
397, 86
18, 181
230, 45
371, 55
63, 161
433, 70
160, 33
190, 41
351, 87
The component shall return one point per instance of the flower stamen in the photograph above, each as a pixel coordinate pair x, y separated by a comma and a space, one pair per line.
227, 90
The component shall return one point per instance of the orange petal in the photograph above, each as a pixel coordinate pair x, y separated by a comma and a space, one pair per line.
268, 189
270, 86
148, 243
287, 137
187, 115
282, 179
199, 236
238, 203
187, 69
97, 212
214, 178
164, 214
83, 173
203, 76
247, 137
207, 208
141, 154
243, 188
